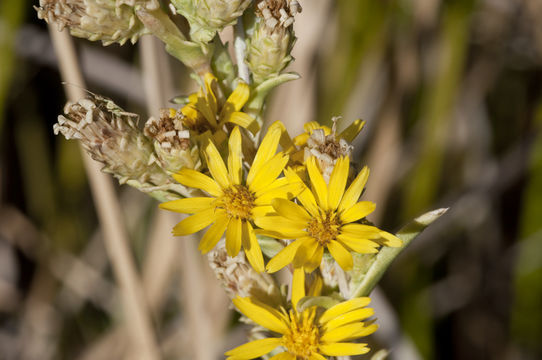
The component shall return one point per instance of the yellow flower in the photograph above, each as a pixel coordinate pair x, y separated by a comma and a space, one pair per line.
349, 134
205, 112
308, 334
233, 203
327, 220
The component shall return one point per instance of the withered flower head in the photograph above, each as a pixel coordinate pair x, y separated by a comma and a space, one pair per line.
106, 20
272, 38
110, 136
172, 144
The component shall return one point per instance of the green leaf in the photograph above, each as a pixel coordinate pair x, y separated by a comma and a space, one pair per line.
386, 256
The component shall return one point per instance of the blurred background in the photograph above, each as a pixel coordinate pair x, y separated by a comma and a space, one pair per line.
451, 92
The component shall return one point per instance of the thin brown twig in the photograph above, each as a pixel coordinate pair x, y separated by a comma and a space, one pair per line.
109, 214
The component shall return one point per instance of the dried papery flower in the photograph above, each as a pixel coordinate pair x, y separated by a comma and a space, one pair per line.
327, 145
272, 38
107, 20
240, 279
172, 145
110, 136
206, 17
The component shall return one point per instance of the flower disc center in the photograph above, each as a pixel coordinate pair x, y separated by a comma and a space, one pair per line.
303, 336
324, 228
238, 201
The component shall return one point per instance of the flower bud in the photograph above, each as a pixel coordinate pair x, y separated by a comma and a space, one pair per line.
172, 145
110, 136
106, 20
272, 38
206, 17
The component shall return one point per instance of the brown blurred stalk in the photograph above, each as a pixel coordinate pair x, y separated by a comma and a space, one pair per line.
109, 213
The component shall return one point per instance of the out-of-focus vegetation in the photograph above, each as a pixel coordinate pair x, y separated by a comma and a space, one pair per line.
452, 95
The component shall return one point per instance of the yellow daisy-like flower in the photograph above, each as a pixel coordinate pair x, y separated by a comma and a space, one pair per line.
327, 219
205, 112
234, 203
307, 335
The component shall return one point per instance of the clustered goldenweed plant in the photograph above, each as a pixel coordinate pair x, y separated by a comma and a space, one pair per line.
268, 200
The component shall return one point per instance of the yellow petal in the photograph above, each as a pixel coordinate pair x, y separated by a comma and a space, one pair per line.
234, 235
266, 151
210, 84
349, 317
311, 126
352, 194
254, 348
391, 240
298, 286
235, 156
341, 255
315, 260
290, 210
195, 179
315, 288
214, 234
237, 99
318, 183
358, 211
285, 140
269, 172
284, 257
216, 165
261, 211
361, 231
342, 333
343, 349
206, 110
350, 133
188, 205
284, 356
343, 307
301, 139
287, 190
316, 356
306, 197
281, 225
194, 223
305, 252
252, 248
337, 181
244, 120
262, 315
361, 246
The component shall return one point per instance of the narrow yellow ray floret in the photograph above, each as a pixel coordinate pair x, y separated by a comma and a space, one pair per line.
233, 204
326, 219
205, 112
309, 334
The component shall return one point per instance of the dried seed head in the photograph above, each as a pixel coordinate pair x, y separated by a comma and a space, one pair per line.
240, 279
277, 14
272, 38
110, 136
327, 149
172, 144
206, 17
106, 20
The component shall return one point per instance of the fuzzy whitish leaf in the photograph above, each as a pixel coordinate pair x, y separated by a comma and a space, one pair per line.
260, 93
386, 256
270, 247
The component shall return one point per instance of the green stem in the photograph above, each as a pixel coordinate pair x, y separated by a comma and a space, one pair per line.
194, 55
386, 256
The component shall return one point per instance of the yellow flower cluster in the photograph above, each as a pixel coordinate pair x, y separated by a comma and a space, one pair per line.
245, 195
309, 334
